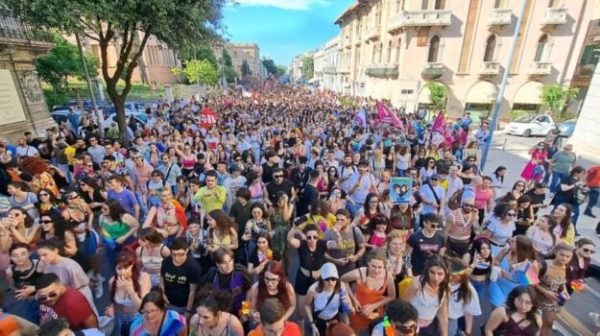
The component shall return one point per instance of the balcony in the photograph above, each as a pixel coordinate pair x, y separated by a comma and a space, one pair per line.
489, 69
432, 70
426, 18
12, 27
500, 17
395, 22
372, 33
344, 68
382, 70
540, 69
555, 16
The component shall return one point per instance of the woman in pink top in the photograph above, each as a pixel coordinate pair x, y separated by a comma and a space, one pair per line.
484, 197
188, 159
534, 169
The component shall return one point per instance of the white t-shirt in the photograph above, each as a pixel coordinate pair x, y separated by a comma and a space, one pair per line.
458, 309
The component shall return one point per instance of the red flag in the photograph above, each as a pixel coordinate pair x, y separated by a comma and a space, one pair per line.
208, 118
386, 116
438, 123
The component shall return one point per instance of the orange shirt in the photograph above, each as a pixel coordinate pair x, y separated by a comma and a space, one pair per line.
289, 329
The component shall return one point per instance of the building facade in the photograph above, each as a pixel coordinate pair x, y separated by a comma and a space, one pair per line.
22, 104
295, 68
249, 52
391, 49
327, 60
155, 64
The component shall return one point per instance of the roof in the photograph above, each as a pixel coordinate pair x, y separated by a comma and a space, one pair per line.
349, 10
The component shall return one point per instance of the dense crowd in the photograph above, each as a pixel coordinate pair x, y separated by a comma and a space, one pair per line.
284, 217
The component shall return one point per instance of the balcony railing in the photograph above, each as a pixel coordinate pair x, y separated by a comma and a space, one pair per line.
395, 22
500, 17
555, 16
540, 68
426, 18
489, 68
433, 70
372, 33
382, 70
12, 27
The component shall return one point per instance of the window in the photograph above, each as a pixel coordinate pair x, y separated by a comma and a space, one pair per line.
439, 4
389, 52
374, 55
398, 51
541, 48
422, 36
500, 4
398, 6
425, 4
490, 48
434, 49
379, 59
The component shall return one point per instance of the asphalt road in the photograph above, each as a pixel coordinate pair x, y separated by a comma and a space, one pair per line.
511, 151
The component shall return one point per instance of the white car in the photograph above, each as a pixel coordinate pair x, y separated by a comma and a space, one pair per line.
531, 125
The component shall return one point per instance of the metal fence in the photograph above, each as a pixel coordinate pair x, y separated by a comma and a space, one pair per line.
13, 27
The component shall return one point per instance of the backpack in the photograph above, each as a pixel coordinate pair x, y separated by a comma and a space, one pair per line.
454, 200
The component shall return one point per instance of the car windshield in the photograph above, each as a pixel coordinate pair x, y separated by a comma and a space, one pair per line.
525, 119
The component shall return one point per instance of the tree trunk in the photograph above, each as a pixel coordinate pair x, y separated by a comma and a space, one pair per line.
121, 119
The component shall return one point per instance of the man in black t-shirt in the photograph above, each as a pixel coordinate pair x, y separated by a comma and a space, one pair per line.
269, 167
538, 196
280, 183
426, 242
309, 195
179, 277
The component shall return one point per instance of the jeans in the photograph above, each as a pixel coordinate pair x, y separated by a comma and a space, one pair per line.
556, 177
594, 194
64, 168
452, 327
401, 172
354, 207
143, 205
123, 323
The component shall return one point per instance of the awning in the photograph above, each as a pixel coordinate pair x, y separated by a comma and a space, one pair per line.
482, 92
529, 93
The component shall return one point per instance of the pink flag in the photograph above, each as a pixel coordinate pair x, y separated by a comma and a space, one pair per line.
386, 116
438, 123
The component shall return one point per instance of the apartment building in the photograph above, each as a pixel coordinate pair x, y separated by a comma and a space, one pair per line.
295, 68
327, 60
390, 49
155, 65
249, 52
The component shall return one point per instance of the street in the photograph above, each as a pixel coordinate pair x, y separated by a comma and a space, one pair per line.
511, 151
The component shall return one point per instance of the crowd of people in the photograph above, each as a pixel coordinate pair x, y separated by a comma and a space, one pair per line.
277, 220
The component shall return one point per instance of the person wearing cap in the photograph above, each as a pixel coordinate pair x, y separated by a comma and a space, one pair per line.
328, 300
58, 300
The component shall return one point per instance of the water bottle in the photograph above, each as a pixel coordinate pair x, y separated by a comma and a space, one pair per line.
344, 308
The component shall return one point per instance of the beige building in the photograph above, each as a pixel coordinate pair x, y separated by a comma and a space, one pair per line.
249, 52
391, 49
156, 62
295, 68
326, 63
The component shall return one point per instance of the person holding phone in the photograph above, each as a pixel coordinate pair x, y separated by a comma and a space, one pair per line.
345, 243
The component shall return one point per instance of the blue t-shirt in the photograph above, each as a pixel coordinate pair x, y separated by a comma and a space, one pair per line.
126, 198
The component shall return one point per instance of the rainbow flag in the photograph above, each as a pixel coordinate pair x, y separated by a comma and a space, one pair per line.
526, 275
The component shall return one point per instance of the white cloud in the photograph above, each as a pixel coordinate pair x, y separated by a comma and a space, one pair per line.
285, 4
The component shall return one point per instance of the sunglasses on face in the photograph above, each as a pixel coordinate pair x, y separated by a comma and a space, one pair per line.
278, 176
510, 214
44, 194
588, 251
405, 329
48, 297
46, 221
330, 279
312, 238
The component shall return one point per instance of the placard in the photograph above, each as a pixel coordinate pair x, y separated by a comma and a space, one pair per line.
11, 109
400, 190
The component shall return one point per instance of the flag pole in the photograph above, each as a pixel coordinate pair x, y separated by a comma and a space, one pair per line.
507, 66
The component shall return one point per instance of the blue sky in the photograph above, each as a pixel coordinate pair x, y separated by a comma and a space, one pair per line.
283, 28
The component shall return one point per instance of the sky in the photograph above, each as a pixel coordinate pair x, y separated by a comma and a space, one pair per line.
283, 28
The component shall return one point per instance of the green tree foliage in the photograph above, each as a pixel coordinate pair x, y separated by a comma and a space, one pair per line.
281, 70
62, 62
556, 97
438, 93
230, 73
127, 25
199, 72
308, 67
269, 64
246, 69
199, 52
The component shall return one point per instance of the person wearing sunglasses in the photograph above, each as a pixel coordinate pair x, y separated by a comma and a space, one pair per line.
60, 301
401, 317
580, 263
460, 224
311, 255
272, 283
500, 227
328, 300
426, 242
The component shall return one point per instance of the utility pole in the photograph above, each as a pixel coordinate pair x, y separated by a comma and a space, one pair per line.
89, 85
507, 66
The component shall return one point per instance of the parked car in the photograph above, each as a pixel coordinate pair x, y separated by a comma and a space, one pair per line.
140, 120
567, 127
531, 125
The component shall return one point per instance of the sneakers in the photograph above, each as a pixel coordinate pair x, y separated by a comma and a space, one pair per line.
595, 318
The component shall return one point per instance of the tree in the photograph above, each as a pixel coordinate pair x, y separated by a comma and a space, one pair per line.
269, 64
199, 52
61, 62
556, 97
281, 70
199, 72
126, 25
246, 69
438, 93
230, 73
308, 67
